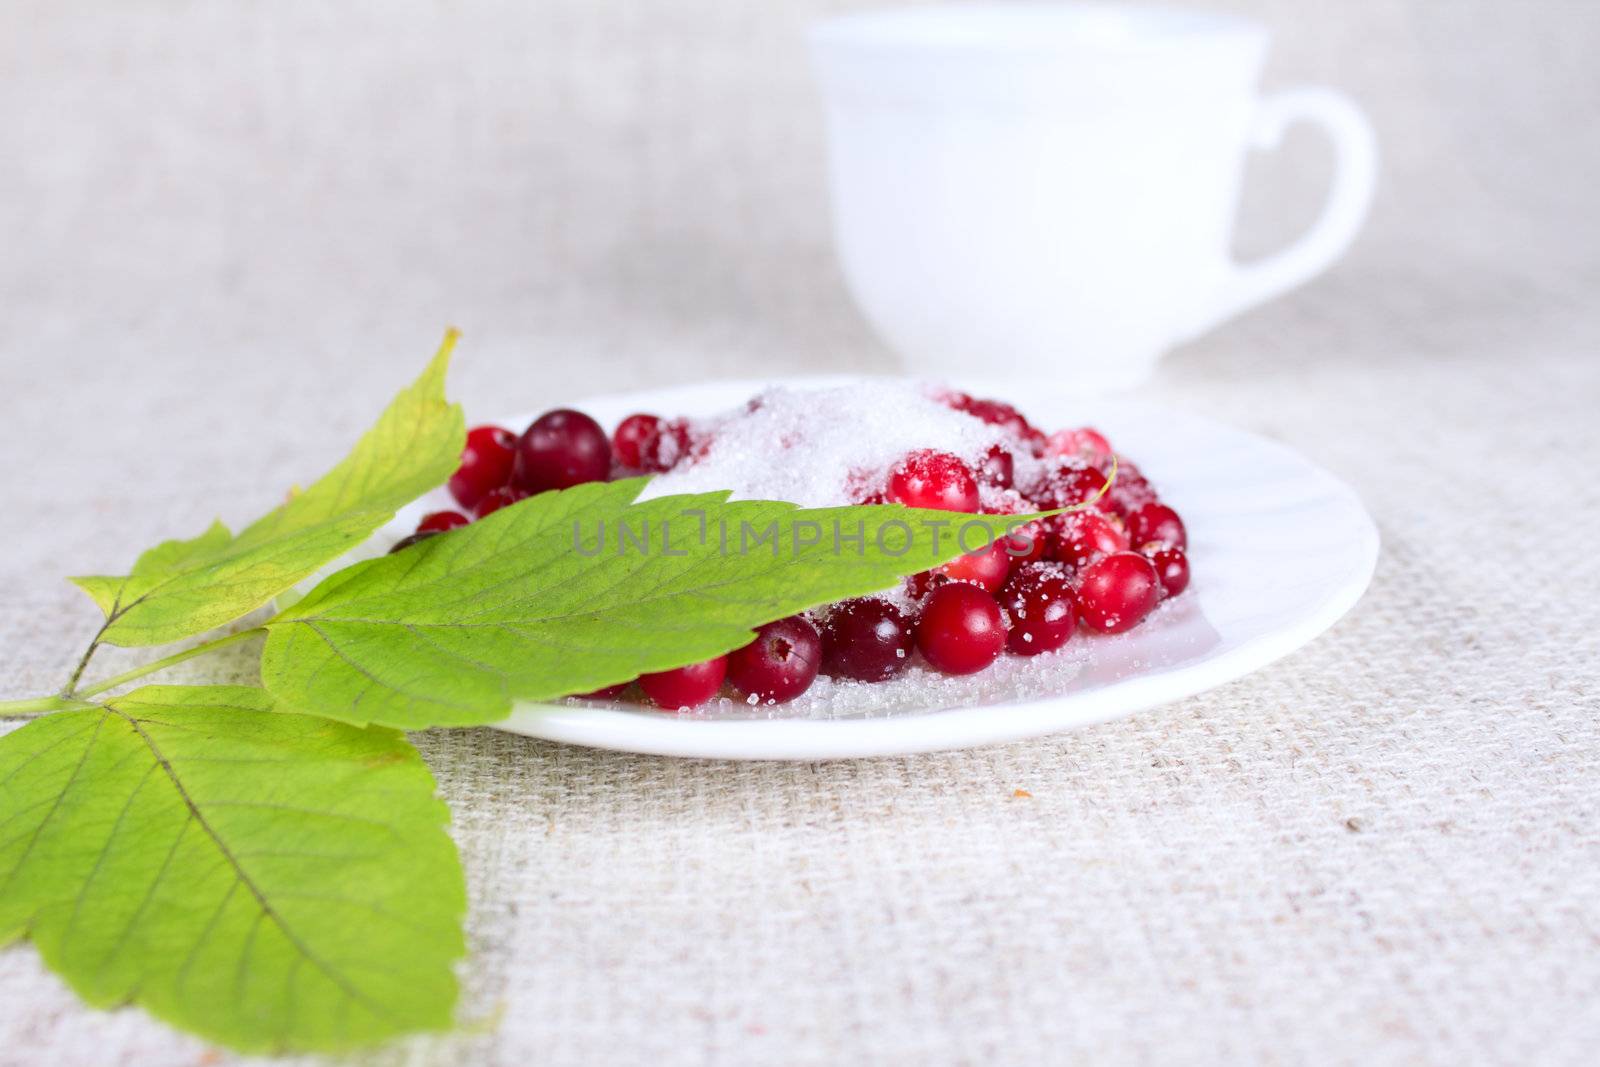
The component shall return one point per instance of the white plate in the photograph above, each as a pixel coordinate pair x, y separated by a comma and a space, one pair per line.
1279, 548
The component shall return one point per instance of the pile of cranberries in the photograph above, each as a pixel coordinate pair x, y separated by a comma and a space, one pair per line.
1102, 568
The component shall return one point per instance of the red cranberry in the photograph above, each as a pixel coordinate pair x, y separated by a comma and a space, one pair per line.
1129, 491
1082, 486
1124, 502
780, 664
1043, 609
669, 446
632, 434
685, 687
868, 640
1028, 543
1006, 502
561, 449
1128, 475
415, 539
486, 465
1155, 522
1068, 485
1085, 442
935, 480
498, 499
997, 468
997, 413
1085, 536
960, 631
1172, 568
986, 568
1115, 593
440, 521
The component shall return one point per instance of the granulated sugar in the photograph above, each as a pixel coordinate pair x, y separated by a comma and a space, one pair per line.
825, 447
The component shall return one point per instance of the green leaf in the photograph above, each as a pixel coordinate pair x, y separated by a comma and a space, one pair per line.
268, 881
449, 632
182, 588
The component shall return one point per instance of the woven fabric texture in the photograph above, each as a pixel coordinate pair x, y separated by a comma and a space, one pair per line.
232, 230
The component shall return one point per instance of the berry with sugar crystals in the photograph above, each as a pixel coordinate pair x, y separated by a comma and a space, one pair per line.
996, 413
415, 539
1116, 592
440, 521
986, 568
670, 445
936, 480
1085, 442
631, 436
498, 499
961, 630
1129, 476
1085, 536
999, 413
1078, 486
487, 464
1157, 523
1129, 491
1028, 543
780, 664
1042, 607
868, 640
997, 468
1067, 484
685, 687
1172, 568
562, 448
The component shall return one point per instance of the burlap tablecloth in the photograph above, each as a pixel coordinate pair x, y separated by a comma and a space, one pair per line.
230, 232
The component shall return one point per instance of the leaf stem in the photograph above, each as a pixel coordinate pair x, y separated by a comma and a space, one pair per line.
36, 706
83, 661
170, 661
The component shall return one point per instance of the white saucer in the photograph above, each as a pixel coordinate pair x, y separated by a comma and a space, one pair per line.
1279, 548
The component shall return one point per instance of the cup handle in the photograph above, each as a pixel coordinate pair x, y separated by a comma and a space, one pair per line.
1356, 169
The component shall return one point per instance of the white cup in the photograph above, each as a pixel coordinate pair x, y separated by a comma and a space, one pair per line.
1044, 187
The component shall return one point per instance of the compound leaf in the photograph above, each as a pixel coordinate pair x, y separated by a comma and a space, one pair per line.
574, 590
268, 881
